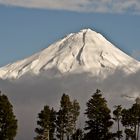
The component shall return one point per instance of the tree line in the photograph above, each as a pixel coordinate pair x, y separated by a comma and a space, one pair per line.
62, 124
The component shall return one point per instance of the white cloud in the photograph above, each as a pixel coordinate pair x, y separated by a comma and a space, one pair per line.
100, 6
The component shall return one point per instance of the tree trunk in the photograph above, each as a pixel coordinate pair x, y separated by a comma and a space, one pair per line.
48, 135
135, 129
61, 136
67, 137
118, 130
138, 132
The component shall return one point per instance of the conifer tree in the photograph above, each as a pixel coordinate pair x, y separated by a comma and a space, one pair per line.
78, 135
8, 122
131, 120
99, 118
75, 113
127, 123
136, 113
60, 125
117, 117
63, 121
46, 122
67, 117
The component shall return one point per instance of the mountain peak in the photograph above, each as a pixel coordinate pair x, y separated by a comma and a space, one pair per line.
85, 51
87, 30
90, 34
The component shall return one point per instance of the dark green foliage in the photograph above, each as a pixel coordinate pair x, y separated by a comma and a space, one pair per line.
128, 123
67, 117
99, 118
8, 122
46, 119
130, 134
63, 117
135, 114
131, 120
98, 122
60, 125
117, 117
75, 113
78, 135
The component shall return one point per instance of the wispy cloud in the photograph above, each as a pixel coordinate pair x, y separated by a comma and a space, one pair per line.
99, 6
136, 54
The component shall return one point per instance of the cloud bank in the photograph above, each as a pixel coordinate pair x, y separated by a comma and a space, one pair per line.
97, 6
29, 94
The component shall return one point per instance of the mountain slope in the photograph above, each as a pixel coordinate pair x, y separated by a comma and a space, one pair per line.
85, 51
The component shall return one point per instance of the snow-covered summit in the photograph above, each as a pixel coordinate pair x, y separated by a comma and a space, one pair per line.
85, 51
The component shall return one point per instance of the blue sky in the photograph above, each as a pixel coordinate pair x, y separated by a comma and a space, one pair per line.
28, 26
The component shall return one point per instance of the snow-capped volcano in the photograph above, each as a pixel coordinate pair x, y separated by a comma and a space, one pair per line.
85, 51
